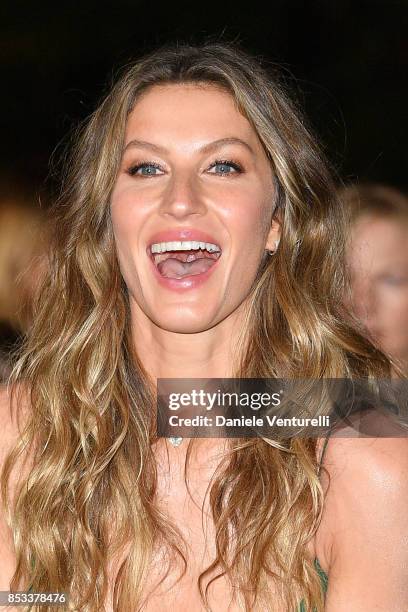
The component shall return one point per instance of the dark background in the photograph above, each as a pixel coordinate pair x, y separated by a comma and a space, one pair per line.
348, 60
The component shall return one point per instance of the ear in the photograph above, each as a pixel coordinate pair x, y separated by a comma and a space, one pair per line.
274, 234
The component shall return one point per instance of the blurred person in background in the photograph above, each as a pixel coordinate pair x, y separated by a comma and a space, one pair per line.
22, 261
378, 265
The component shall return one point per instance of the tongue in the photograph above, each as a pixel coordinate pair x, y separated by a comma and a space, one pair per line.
173, 268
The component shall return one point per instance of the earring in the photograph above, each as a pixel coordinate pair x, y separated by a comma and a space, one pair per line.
276, 248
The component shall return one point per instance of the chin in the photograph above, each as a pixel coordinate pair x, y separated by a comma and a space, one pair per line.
186, 323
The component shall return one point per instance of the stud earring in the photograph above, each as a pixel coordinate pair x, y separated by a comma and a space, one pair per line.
276, 248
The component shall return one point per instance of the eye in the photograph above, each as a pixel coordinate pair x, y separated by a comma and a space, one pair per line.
393, 280
224, 167
148, 169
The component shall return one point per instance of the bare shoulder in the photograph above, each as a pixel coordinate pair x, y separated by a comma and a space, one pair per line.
363, 536
8, 423
11, 422
352, 461
13, 411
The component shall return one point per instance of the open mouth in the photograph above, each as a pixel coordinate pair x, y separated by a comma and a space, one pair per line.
180, 259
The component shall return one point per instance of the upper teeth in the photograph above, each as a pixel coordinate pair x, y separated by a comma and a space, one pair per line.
162, 247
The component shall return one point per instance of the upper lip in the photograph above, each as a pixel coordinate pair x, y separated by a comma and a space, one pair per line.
180, 235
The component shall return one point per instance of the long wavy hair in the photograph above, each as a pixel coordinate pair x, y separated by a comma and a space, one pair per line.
91, 488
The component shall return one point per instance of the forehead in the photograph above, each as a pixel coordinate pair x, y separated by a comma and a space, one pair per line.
188, 111
379, 241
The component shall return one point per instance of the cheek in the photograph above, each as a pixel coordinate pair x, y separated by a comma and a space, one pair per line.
394, 307
125, 224
248, 215
126, 216
122, 231
398, 301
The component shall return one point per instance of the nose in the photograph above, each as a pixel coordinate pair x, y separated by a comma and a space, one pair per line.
182, 197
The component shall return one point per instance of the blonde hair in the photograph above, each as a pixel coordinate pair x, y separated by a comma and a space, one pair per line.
374, 199
91, 423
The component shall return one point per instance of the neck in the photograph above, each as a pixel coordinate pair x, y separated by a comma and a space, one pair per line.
207, 354
165, 354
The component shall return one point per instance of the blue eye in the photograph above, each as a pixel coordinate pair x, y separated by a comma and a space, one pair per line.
394, 281
148, 169
224, 167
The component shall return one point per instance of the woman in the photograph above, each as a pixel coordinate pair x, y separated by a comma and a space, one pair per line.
377, 256
22, 262
196, 144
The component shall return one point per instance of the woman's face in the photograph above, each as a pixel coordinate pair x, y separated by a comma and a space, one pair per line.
378, 260
193, 171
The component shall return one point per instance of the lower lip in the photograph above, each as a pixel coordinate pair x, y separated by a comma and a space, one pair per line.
185, 283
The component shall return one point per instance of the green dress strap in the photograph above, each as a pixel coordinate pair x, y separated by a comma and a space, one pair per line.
324, 579
322, 574
324, 582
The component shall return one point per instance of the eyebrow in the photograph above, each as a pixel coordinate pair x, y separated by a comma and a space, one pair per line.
208, 148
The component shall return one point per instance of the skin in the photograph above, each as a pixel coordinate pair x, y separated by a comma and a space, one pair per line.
378, 260
181, 336
362, 540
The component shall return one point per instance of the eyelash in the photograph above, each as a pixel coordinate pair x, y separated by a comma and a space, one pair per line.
219, 162
394, 281
228, 162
